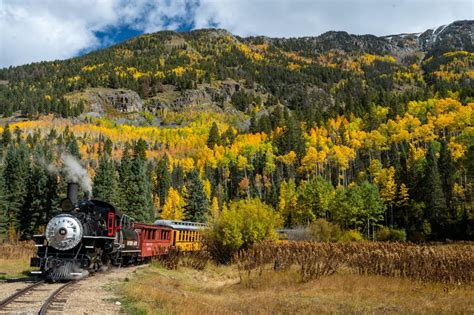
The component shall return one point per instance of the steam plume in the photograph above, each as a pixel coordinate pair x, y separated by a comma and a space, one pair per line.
76, 173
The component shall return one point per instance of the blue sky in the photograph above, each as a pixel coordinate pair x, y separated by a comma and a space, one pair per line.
37, 30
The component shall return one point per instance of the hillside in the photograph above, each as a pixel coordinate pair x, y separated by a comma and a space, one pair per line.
361, 136
334, 73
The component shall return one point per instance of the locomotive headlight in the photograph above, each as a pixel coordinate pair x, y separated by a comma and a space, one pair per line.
64, 232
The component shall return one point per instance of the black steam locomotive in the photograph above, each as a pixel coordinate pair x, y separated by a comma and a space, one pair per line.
87, 236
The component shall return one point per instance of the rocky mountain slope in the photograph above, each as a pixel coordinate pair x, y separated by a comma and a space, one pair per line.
210, 69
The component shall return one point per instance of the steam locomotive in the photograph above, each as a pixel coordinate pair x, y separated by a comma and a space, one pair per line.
91, 235
87, 236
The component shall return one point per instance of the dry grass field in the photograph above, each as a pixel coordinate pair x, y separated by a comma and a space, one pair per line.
15, 259
309, 278
219, 290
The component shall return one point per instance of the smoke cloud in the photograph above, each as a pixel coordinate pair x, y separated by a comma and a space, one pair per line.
76, 173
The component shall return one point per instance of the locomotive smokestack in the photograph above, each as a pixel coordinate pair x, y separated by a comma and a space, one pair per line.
72, 191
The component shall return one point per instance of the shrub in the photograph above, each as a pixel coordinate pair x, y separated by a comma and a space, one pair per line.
393, 235
324, 231
351, 236
244, 223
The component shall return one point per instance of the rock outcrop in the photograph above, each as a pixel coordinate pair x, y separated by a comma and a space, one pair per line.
102, 100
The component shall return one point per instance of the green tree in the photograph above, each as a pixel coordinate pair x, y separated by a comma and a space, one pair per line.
242, 224
15, 173
197, 204
447, 174
136, 197
433, 193
139, 149
72, 147
214, 136
163, 179
358, 207
105, 181
6, 136
3, 209
36, 203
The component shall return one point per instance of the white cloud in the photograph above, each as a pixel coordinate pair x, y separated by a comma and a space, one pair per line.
46, 30
281, 18
35, 30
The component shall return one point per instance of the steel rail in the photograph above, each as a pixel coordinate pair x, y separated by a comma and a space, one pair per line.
50, 299
21, 292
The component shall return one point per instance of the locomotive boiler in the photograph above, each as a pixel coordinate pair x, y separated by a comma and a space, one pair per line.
87, 236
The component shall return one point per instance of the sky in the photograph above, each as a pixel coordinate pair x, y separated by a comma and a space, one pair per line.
38, 30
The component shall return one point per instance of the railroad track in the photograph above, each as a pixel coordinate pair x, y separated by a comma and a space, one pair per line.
57, 299
39, 297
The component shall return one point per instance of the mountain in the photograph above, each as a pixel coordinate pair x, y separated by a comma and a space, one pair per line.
211, 69
359, 130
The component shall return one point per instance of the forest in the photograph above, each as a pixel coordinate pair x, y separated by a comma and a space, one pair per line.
373, 145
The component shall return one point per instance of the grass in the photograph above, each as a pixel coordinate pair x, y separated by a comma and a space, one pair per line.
155, 290
14, 268
15, 259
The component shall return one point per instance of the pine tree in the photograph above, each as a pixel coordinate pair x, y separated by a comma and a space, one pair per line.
163, 180
6, 136
136, 190
228, 137
72, 147
105, 181
139, 149
197, 204
177, 177
15, 174
125, 175
36, 203
434, 196
447, 171
3, 209
141, 200
214, 136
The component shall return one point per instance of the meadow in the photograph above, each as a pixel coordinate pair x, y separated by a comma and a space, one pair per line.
15, 259
309, 278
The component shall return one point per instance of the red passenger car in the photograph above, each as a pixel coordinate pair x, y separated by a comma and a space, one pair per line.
153, 240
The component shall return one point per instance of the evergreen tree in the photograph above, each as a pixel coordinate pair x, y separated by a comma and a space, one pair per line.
163, 179
135, 189
214, 136
3, 209
6, 136
197, 204
36, 203
72, 147
15, 174
293, 137
139, 149
140, 200
447, 173
228, 137
264, 124
108, 146
177, 177
125, 175
434, 196
105, 181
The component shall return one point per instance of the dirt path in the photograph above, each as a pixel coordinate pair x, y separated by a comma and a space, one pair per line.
94, 295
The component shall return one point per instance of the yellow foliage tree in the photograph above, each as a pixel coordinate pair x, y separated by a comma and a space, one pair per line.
173, 208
